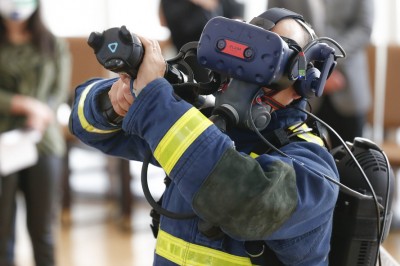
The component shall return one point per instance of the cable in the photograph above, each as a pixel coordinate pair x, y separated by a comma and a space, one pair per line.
326, 39
377, 205
346, 148
344, 187
150, 199
386, 204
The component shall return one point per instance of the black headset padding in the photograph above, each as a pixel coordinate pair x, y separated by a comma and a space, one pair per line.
310, 85
267, 21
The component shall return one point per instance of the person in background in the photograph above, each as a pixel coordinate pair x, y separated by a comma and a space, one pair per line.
35, 71
347, 95
186, 19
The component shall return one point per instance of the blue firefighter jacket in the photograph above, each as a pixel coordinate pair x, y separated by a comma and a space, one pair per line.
283, 200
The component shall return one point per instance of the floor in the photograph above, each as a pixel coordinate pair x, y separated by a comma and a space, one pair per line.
95, 234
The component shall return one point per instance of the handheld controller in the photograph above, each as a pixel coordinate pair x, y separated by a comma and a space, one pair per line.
120, 51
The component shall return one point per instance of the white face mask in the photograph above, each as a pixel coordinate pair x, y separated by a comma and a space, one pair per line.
17, 10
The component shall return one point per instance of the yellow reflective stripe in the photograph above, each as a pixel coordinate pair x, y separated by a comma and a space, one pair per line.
81, 115
307, 136
184, 253
179, 137
253, 155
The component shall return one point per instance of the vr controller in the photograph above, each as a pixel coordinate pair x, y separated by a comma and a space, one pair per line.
109, 49
120, 51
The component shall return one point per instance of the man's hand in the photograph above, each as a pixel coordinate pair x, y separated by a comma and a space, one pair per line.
152, 67
120, 95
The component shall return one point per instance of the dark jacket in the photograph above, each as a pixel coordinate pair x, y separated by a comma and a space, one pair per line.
282, 200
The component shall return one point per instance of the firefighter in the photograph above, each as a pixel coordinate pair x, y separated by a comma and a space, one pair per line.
251, 205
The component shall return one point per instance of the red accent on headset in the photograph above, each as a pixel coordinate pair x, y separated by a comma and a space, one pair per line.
234, 49
267, 99
273, 103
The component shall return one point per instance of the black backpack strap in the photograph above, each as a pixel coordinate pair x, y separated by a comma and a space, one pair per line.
278, 138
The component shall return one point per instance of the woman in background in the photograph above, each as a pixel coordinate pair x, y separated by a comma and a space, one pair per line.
34, 78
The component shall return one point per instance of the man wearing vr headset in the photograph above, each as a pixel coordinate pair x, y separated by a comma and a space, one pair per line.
250, 206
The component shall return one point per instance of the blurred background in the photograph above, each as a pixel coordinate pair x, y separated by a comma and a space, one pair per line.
79, 18
104, 219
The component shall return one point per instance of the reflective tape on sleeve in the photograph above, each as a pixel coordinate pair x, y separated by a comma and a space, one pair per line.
81, 114
179, 138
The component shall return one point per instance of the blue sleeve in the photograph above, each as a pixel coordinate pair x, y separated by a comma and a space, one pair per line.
316, 194
89, 125
184, 142
274, 194
177, 133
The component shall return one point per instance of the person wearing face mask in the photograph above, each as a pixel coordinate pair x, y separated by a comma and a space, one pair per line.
249, 205
35, 69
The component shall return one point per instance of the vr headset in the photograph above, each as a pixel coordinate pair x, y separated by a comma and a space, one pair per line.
252, 53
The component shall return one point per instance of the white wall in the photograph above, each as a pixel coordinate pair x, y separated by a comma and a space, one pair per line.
81, 17
254, 8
